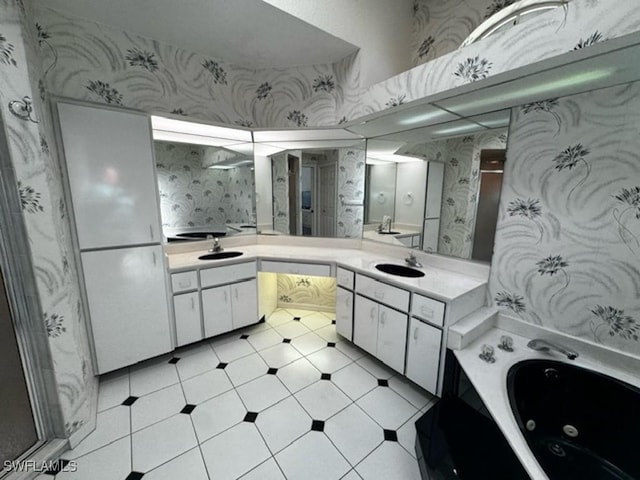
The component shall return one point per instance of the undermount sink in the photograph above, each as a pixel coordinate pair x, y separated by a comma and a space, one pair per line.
399, 270
219, 255
389, 233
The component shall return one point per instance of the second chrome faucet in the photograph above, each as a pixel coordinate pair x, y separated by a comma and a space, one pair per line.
541, 345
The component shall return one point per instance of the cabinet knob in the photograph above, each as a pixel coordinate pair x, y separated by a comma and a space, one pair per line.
415, 333
427, 312
193, 304
151, 231
383, 316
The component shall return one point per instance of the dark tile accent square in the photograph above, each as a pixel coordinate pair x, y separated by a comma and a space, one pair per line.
250, 417
129, 401
244, 336
325, 376
272, 371
188, 408
57, 467
390, 436
174, 360
296, 319
286, 340
317, 426
134, 476
331, 344
383, 383
222, 365
333, 322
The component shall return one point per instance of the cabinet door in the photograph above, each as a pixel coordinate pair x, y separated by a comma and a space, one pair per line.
365, 324
344, 312
128, 305
423, 354
109, 159
244, 303
216, 311
392, 337
186, 307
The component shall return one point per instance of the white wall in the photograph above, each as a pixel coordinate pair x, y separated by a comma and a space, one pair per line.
382, 29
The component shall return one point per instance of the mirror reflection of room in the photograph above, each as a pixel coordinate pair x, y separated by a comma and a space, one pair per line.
204, 190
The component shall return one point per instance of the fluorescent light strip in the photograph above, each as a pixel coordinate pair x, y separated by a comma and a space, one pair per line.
201, 129
165, 136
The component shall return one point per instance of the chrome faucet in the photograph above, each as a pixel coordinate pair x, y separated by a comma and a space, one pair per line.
412, 260
545, 346
216, 246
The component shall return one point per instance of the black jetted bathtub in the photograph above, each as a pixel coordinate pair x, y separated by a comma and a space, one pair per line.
579, 424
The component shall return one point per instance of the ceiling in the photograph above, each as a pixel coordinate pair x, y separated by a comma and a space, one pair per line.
249, 33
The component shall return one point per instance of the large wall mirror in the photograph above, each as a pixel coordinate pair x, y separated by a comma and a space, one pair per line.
206, 180
429, 190
309, 185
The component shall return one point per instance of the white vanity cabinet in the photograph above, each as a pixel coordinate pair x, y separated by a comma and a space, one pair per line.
378, 328
344, 302
423, 354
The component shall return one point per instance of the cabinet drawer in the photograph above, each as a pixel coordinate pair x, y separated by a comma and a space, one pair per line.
345, 278
183, 281
296, 268
428, 309
383, 293
227, 274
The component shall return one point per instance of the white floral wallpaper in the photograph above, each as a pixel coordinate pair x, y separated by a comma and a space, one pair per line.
193, 196
351, 176
280, 181
440, 26
35, 160
95, 62
299, 291
567, 250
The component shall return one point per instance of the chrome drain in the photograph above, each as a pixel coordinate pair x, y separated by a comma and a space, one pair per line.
557, 450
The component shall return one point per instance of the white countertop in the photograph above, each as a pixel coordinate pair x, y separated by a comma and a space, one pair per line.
390, 238
490, 380
439, 283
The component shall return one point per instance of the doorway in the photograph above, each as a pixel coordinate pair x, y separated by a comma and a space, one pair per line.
327, 200
308, 200
491, 169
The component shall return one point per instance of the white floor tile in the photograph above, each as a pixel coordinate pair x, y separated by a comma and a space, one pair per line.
407, 434
328, 360
280, 355
264, 339
312, 457
234, 452
113, 389
149, 378
389, 460
262, 392
292, 329
205, 386
232, 350
246, 368
217, 414
162, 442
279, 317
387, 408
329, 315
298, 375
329, 333
283, 423
195, 362
309, 343
156, 406
322, 399
268, 470
111, 425
188, 465
107, 463
375, 368
354, 433
315, 321
415, 395
350, 350
354, 380
299, 312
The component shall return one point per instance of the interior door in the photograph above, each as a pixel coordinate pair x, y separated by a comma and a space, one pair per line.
308, 200
295, 219
17, 426
327, 201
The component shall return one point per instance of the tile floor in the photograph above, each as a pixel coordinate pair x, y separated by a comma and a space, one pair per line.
287, 398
